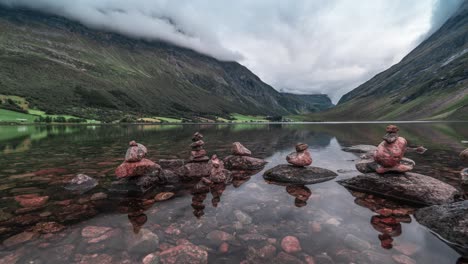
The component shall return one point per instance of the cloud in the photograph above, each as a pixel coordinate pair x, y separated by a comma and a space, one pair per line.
301, 46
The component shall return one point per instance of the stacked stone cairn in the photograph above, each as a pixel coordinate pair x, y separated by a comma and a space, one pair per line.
299, 171
301, 157
389, 155
241, 159
198, 154
137, 170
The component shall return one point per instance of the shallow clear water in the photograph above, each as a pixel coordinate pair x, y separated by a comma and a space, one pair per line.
42, 159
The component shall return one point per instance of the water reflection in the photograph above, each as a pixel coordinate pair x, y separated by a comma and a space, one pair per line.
44, 161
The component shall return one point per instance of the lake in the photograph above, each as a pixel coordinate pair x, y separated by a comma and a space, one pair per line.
241, 222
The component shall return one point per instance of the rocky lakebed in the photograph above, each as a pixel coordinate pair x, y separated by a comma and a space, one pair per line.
247, 193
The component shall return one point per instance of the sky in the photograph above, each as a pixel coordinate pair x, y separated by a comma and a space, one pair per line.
297, 46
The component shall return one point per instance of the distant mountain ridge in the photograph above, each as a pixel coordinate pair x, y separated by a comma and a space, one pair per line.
61, 66
430, 83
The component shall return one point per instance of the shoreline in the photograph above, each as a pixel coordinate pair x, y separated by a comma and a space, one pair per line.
235, 123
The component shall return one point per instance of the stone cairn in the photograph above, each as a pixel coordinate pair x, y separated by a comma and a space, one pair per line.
142, 172
198, 154
241, 159
301, 157
389, 155
218, 174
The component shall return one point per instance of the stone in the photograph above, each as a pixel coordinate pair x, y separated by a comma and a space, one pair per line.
197, 144
370, 165
299, 159
31, 200
218, 174
219, 236
81, 183
298, 175
198, 153
197, 136
163, 196
94, 231
448, 221
98, 196
171, 164
356, 243
136, 152
464, 155
48, 227
196, 170
140, 168
243, 217
187, 254
284, 258
409, 187
93, 259
259, 255
20, 239
360, 149
244, 163
390, 152
464, 175
143, 242
290, 244
239, 150
150, 259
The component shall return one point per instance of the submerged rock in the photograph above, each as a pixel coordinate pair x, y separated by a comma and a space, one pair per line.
290, 244
360, 148
81, 183
244, 163
407, 187
187, 253
449, 221
299, 175
239, 150
31, 200
20, 239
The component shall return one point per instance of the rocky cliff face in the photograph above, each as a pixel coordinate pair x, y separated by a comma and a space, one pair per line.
63, 67
431, 82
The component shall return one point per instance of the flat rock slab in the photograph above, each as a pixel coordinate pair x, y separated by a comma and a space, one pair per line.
406, 187
448, 221
360, 148
298, 175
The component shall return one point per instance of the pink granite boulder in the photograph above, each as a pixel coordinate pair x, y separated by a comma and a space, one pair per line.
140, 168
239, 150
135, 152
301, 157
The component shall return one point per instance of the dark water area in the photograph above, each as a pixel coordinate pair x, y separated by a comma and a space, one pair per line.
251, 216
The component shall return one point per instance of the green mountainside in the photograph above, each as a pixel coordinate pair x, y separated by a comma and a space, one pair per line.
431, 82
62, 67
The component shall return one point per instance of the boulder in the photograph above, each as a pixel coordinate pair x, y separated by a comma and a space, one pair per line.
135, 152
243, 163
407, 187
449, 221
31, 200
239, 150
195, 170
144, 241
360, 149
81, 183
298, 175
369, 165
132, 169
290, 244
171, 164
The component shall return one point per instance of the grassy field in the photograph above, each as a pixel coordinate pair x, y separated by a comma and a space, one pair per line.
11, 116
248, 118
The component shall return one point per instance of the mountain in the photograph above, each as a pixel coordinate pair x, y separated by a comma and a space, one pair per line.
306, 103
62, 67
431, 82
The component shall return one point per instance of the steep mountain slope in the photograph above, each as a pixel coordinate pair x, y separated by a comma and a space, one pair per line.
305, 103
431, 82
63, 67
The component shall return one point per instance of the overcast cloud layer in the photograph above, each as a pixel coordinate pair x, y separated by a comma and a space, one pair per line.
300, 46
